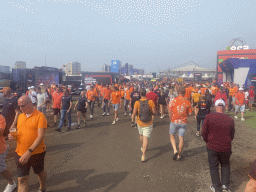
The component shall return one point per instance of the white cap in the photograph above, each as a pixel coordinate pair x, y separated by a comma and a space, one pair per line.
28, 87
220, 102
240, 89
41, 84
222, 85
198, 85
32, 87
204, 86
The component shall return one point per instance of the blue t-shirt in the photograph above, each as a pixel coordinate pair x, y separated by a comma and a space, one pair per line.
66, 102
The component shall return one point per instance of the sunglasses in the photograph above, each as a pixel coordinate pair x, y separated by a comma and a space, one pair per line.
23, 105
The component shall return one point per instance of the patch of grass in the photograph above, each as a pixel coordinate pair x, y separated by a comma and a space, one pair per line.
251, 120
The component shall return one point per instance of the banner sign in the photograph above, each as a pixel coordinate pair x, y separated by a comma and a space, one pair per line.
114, 66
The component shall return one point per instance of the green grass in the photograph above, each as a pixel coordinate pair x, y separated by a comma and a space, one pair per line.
250, 118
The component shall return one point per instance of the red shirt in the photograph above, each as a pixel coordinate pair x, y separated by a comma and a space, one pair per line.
56, 100
251, 93
152, 96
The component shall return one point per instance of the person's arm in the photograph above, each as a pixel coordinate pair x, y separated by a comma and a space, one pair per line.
205, 129
76, 104
25, 157
70, 105
135, 110
250, 186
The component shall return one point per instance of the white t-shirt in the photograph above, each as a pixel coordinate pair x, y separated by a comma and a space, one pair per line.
246, 94
40, 99
33, 97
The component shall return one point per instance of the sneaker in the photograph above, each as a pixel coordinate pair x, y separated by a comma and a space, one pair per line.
69, 128
242, 119
197, 134
114, 122
132, 124
107, 114
125, 114
225, 189
103, 114
135, 126
164, 115
212, 188
130, 114
58, 130
84, 124
161, 117
236, 117
78, 127
91, 116
10, 188
117, 119
143, 158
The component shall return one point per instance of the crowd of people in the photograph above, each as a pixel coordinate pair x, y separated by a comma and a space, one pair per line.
143, 101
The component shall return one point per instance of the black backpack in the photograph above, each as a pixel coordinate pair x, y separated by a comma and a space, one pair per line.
144, 111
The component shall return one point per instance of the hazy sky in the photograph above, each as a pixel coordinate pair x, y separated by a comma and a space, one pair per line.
150, 34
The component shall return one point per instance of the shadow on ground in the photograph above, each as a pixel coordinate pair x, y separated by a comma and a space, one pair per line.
77, 180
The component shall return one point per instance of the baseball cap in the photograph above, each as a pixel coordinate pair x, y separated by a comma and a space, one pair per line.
222, 85
32, 87
28, 88
8, 89
41, 84
240, 89
220, 102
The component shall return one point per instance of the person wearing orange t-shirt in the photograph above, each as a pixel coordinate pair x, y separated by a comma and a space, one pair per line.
235, 90
56, 101
4, 172
91, 95
115, 99
179, 108
106, 99
240, 103
127, 99
122, 95
30, 150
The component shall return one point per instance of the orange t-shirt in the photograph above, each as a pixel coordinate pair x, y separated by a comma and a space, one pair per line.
214, 90
116, 97
180, 108
131, 89
91, 95
122, 93
27, 128
239, 98
128, 94
203, 90
96, 92
2, 139
235, 90
137, 106
107, 93
231, 91
187, 92
56, 97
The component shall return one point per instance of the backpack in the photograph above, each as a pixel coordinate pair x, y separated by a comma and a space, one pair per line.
144, 111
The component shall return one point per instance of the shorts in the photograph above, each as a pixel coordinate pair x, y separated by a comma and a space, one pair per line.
122, 98
174, 127
35, 161
115, 106
56, 111
233, 99
239, 108
251, 100
82, 110
145, 131
2, 160
195, 104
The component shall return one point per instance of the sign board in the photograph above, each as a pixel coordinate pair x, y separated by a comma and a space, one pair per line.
89, 80
114, 66
241, 47
179, 79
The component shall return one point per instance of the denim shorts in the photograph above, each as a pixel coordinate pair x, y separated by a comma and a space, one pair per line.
240, 108
145, 131
174, 127
2, 160
115, 106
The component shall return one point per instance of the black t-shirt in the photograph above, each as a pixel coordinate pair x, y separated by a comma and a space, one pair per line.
66, 102
252, 172
135, 96
157, 92
8, 112
203, 108
81, 103
162, 99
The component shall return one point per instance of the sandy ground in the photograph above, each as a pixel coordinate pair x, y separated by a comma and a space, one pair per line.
106, 157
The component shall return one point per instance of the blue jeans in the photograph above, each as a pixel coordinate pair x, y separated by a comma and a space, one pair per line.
63, 115
106, 105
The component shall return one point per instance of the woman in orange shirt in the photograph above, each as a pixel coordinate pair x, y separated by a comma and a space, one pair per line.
106, 96
115, 99
127, 99
122, 95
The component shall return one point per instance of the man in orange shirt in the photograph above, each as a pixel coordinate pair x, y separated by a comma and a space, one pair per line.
235, 90
240, 104
106, 96
178, 108
56, 98
6, 174
115, 99
121, 89
30, 149
230, 97
127, 99
91, 95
